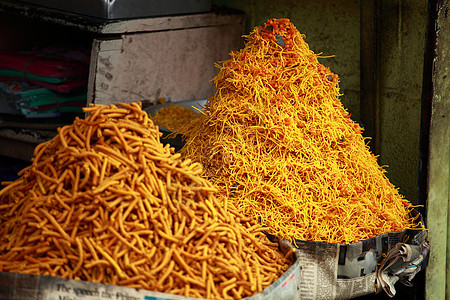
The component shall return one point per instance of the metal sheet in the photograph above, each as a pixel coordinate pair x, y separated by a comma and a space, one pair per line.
121, 9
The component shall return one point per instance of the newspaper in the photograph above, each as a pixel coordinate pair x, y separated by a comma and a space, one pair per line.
336, 271
402, 263
15, 286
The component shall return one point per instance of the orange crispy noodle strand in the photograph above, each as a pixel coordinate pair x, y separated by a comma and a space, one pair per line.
173, 116
275, 138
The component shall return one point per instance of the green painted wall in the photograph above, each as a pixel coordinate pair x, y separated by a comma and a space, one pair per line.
402, 51
333, 28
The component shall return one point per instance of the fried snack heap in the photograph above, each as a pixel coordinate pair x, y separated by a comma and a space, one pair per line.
276, 139
173, 116
105, 201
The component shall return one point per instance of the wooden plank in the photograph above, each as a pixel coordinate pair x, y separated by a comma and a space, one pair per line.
11, 147
438, 271
172, 23
177, 65
95, 49
105, 54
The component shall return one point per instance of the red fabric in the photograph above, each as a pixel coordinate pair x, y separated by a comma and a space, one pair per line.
65, 87
45, 63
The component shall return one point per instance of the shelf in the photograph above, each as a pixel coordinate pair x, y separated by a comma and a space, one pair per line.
216, 17
140, 59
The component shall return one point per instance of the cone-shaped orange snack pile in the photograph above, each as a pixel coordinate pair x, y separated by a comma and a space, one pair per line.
105, 201
276, 139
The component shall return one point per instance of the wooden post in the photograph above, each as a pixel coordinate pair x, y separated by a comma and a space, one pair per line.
370, 70
435, 148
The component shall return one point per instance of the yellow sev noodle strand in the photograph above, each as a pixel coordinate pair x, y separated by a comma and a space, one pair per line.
105, 201
276, 139
174, 116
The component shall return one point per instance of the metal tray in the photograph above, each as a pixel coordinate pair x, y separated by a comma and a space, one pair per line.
177, 142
